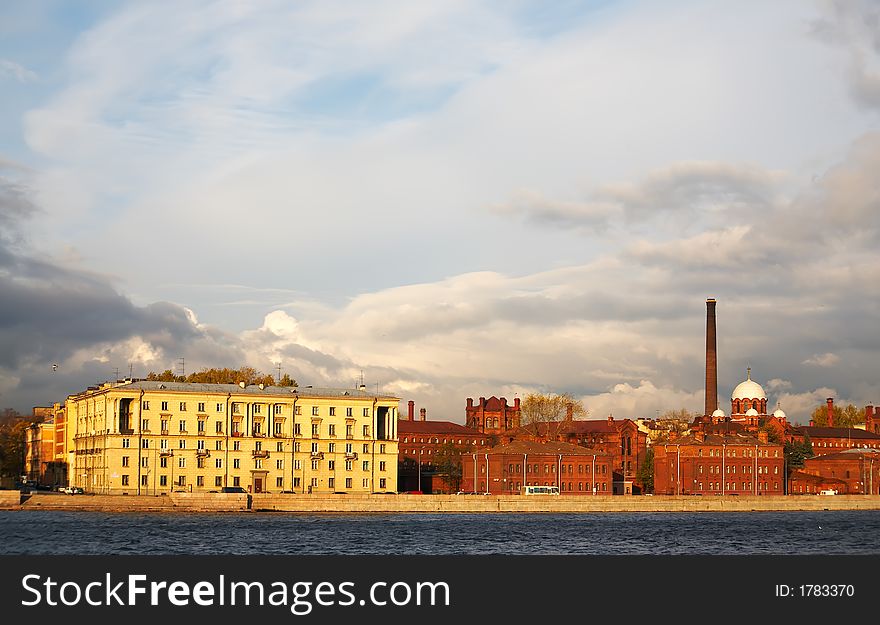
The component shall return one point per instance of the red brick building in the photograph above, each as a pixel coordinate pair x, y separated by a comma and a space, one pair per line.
506, 469
849, 472
833, 440
621, 439
418, 442
493, 415
872, 420
719, 464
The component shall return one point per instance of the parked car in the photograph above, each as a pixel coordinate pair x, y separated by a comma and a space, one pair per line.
232, 489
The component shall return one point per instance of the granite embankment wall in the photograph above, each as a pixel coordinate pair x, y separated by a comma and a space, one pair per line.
523, 504
181, 502
228, 502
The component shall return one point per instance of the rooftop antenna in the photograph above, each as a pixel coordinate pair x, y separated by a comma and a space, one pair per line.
182, 368
278, 366
130, 374
116, 370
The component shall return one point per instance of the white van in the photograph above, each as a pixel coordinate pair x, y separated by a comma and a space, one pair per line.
828, 492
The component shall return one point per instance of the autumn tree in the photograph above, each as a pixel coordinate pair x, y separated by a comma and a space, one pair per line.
446, 460
13, 429
245, 374
552, 410
846, 417
674, 422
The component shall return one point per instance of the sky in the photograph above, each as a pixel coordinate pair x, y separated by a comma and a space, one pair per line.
448, 199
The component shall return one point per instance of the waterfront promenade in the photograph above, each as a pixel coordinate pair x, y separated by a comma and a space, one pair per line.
224, 502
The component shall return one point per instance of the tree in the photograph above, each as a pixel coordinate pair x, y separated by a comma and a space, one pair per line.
553, 410
796, 452
13, 429
447, 463
772, 434
645, 474
846, 417
674, 421
245, 374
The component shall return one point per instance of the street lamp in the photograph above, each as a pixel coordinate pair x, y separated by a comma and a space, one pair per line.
420, 471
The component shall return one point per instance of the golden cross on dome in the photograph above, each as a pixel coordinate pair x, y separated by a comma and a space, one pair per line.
749, 373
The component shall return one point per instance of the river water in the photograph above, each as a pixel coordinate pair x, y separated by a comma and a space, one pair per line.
772, 533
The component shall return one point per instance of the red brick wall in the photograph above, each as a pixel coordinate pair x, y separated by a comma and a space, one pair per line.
508, 473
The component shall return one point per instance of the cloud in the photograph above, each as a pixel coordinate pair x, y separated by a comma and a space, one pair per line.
823, 360
16, 71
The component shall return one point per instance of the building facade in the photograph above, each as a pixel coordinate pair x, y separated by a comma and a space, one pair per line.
505, 469
149, 438
493, 415
419, 442
848, 472
719, 464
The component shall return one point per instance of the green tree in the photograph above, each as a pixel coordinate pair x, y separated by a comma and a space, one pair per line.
286, 380
446, 461
645, 474
796, 452
846, 417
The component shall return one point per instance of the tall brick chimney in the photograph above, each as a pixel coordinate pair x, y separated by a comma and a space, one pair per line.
422, 412
711, 360
410, 413
830, 403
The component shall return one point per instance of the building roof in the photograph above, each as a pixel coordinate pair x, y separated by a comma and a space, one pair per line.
405, 426
729, 438
250, 389
748, 389
802, 475
848, 454
575, 426
493, 404
823, 432
549, 448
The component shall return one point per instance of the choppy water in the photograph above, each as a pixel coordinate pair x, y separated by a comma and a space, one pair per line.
59, 532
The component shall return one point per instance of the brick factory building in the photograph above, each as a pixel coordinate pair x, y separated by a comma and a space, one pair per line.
719, 464
506, 469
493, 415
418, 443
621, 439
849, 472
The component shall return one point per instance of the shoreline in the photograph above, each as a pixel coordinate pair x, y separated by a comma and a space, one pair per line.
360, 504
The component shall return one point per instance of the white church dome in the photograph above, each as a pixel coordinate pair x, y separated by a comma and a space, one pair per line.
779, 414
751, 412
748, 389
718, 413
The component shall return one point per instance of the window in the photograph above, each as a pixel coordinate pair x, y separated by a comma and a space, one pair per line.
332, 428
163, 480
181, 462
366, 448
182, 425
218, 481
314, 448
200, 444
348, 448
315, 427
297, 465
297, 410
236, 445
366, 412
201, 406
258, 409
163, 462
218, 427
314, 482
183, 406
348, 482
382, 448
382, 483
144, 462
200, 480
296, 447
348, 464
145, 424
332, 411
219, 407
218, 463
314, 465
125, 480
258, 463
331, 482
145, 443
258, 446
314, 411
165, 405
331, 447
200, 462
182, 443
236, 463
201, 427
331, 465
145, 405
349, 431
382, 465
279, 482
125, 460
366, 431
348, 412
296, 482
297, 431
277, 429
236, 481
126, 443
236, 407
279, 464
366, 465
181, 480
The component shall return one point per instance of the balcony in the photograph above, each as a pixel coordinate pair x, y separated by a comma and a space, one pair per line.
317, 455
261, 453
164, 432
349, 437
126, 431
236, 434
166, 453
351, 455
259, 435
202, 453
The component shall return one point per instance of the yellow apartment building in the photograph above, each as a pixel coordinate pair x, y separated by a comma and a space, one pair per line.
148, 438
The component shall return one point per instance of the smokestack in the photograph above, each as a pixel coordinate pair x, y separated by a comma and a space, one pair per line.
422, 412
410, 413
830, 403
711, 360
